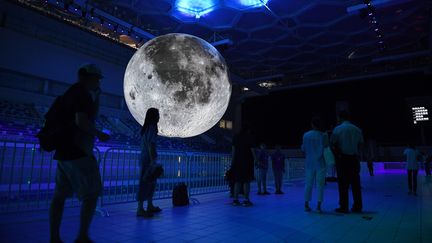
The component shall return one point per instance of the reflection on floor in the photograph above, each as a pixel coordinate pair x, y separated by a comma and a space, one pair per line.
391, 215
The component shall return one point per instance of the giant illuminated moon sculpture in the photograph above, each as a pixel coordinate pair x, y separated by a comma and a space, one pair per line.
184, 77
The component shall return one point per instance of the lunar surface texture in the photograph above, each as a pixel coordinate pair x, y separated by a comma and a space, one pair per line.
184, 77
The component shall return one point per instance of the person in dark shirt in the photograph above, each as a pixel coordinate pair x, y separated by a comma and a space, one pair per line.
149, 134
77, 168
262, 165
242, 166
371, 155
278, 166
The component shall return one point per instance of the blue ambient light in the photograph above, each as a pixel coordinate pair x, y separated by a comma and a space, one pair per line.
196, 8
253, 3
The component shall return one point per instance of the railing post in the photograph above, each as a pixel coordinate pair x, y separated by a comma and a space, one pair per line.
102, 211
11, 177
288, 171
188, 172
30, 179
2, 161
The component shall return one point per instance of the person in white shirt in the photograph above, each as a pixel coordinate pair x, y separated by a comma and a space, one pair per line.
314, 142
346, 142
412, 158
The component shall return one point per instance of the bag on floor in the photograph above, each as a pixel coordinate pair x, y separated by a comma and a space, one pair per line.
180, 195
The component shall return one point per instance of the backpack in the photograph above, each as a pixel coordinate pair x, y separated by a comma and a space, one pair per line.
180, 195
52, 132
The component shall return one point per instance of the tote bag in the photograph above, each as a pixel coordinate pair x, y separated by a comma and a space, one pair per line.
329, 157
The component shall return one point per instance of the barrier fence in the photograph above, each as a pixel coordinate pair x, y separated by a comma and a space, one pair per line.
27, 175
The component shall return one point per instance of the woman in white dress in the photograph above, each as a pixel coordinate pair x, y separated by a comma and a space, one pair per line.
314, 143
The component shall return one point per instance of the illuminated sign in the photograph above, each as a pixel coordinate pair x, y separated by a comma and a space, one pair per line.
420, 114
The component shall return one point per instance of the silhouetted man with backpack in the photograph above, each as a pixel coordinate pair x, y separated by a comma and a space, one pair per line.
77, 168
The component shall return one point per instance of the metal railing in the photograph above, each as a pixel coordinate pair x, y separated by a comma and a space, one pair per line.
202, 172
27, 175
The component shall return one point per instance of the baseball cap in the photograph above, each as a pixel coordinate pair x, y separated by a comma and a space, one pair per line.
90, 69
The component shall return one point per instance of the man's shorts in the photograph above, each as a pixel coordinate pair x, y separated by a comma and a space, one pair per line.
81, 176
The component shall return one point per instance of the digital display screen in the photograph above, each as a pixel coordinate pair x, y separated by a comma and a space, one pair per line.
420, 114
420, 109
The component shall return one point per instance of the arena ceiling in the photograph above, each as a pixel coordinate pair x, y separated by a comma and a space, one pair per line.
282, 44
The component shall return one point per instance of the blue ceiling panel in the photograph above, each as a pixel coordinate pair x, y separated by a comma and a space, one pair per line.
196, 8
326, 38
246, 4
235, 34
298, 38
350, 24
305, 58
196, 30
284, 8
221, 18
253, 3
322, 14
307, 32
289, 40
269, 34
364, 50
252, 46
255, 20
155, 6
307, 47
159, 23
282, 52
363, 37
342, 50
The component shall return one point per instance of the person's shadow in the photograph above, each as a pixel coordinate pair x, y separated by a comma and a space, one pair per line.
365, 214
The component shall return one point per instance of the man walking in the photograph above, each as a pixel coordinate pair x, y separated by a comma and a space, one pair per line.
77, 168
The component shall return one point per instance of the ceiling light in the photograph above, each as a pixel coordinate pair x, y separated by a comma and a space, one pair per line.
253, 3
267, 84
196, 8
